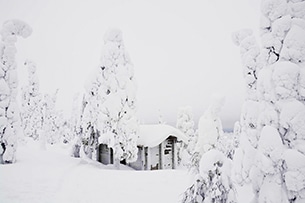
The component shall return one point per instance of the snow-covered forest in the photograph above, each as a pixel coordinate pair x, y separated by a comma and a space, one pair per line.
99, 128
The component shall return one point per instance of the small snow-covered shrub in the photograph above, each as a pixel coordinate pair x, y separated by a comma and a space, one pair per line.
185, 124
213, 182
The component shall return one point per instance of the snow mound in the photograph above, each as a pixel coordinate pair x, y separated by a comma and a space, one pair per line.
210, 160
265, 86
4, 88
295, 175
270, 143
292, 119
294, 45
285, 78
274, 9
294, 160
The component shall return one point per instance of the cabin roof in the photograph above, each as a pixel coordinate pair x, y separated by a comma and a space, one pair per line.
153, 135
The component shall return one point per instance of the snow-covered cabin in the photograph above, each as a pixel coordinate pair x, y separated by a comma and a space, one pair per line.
157, 148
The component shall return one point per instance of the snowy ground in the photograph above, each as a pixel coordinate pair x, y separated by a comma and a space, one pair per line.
53, 176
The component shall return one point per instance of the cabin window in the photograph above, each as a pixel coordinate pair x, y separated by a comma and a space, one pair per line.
167, 151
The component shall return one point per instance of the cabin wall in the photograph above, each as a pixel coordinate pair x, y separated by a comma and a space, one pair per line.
169, 153
163, 156
153, 158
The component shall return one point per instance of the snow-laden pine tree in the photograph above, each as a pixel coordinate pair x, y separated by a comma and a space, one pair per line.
185, 123
252, 64
9, 114
212, 183
90, 127
71, 125
53, 119
79, 129
277, 172
110, 103
31, 107
74, 121
209, 130
72, 134
118, 120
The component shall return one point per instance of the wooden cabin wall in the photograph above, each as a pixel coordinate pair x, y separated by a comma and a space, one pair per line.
163, 156
153, 158
168, 153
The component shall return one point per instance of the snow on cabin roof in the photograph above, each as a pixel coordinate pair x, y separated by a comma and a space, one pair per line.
153, 135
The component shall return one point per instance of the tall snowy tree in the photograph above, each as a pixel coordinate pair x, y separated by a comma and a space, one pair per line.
74, 120
277, 148
209, 127
119, 122
52, 119
31, 108
212, 183
72, 127
185, 123
79, 133
109, 113
90, 127
9, 114
252, 64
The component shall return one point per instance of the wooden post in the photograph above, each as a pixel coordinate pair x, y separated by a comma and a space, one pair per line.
161, 156
174, 154
146, 162
117, 164
142, 157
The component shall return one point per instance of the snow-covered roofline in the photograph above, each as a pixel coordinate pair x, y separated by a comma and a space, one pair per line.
153, 135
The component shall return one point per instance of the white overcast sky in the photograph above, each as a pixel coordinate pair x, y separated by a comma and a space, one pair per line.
181, 49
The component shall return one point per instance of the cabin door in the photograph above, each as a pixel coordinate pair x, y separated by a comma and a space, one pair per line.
105, 154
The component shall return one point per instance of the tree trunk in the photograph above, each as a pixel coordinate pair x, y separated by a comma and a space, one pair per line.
117, 164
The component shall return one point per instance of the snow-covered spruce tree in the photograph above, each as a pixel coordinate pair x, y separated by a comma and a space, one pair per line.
75, 118
248, 132
53, 119
209, 130
9, 115
90, 128
78, 133
110, 103
31, 109
212, 184
118, 90
70, 128
277, 175
228, 143
185, 123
